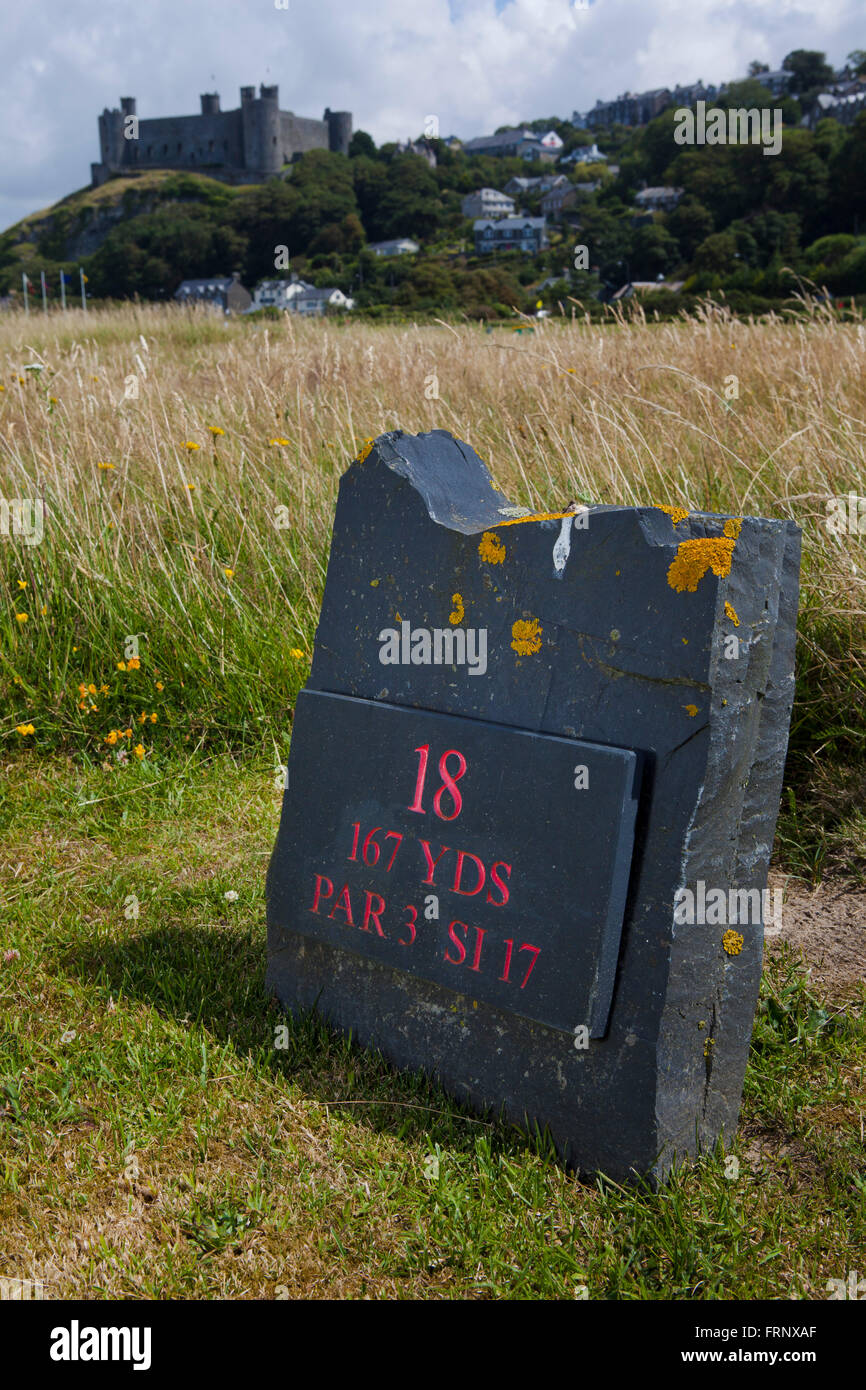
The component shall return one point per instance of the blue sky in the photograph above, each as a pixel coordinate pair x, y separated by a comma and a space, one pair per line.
476, 64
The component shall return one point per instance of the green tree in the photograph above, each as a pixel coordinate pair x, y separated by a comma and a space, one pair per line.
690, 222
808, 68
362, 144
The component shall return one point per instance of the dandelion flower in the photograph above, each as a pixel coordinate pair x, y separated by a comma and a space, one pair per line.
190, 444
191, 487
281, 442
215, 430
103, 466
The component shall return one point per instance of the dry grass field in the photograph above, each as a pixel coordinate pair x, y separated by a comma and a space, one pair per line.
152, 1141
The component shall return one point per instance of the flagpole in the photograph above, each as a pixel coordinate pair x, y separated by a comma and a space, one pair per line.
44, 295
83, 295
24, 283
63, 289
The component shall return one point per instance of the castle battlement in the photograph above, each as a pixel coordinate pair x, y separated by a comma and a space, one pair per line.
246, 145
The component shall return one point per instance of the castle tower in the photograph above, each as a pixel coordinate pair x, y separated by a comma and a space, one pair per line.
210, 103
260, 119
339, 125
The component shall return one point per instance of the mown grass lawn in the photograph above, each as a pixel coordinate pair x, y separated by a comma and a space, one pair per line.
155, 1143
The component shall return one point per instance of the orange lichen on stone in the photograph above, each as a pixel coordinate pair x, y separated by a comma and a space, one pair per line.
368, 444
731, 612
694, 558
732, 527
536, 516
526, 636
691, 710
676, 514
491, 549
732, 942
459, 611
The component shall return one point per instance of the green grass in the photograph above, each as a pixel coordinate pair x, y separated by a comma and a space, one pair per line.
155, 1143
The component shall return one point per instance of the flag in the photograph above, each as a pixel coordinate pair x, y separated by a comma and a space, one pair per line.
83, 277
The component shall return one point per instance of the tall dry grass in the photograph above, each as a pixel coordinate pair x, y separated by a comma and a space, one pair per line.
629, 412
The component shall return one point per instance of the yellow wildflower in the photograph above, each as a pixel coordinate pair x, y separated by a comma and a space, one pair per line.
121, 665
21, 617
159, 685
215, 430
138, 750
297, 653
25, 729
133, 663
103, 466
189, 444
22, 583
229, 574
112, 737
103, 690
153, 719
91, 690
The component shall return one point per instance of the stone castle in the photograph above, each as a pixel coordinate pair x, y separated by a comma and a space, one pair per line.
247, 145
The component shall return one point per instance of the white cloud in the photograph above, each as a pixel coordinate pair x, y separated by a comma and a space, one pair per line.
476, 64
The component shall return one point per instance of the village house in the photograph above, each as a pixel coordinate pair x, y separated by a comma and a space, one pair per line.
397, 246
554, 203
658, 199
312, 302
224, 292
487, 202
525, 234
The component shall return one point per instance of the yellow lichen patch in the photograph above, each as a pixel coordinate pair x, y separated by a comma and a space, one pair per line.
676, 514
731, 612
459, 611
536, 516
526, 636
732, 942
691, 710
374, 583
694, 558
733, 527
491, 549
368, 444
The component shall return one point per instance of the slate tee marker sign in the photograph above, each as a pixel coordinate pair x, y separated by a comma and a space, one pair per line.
425, 842
645, 639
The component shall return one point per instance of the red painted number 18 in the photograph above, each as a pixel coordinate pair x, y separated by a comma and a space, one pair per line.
449, 783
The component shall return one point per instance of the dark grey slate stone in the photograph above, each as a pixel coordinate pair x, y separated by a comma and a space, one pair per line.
610, 652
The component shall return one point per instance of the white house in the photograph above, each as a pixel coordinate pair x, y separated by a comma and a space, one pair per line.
278, 294
585, 154
487, 202
313, 302
398, 246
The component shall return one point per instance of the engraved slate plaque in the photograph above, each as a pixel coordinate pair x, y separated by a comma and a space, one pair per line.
491, 860
648, 640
